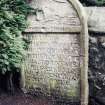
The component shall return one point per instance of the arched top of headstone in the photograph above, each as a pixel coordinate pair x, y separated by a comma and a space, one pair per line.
56, 16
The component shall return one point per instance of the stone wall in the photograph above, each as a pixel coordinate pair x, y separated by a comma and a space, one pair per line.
96, 24
97, 69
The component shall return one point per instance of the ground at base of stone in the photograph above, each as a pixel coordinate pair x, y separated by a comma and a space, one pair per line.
26, 99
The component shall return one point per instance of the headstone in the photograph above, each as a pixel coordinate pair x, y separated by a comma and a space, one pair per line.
56, 61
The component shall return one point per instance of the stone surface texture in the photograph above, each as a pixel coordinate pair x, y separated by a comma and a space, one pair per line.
96, 24
97, 69
53, 16
96, 19
53, 61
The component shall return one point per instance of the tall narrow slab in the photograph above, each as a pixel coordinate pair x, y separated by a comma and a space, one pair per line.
57, 58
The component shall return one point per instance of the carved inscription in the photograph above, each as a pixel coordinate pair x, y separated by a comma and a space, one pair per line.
54, 58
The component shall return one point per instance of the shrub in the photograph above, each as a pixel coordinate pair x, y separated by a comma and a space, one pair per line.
13, 15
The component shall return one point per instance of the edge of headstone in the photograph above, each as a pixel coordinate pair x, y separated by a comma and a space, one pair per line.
84, 43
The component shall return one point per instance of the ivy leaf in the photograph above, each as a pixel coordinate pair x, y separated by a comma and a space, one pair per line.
13, 21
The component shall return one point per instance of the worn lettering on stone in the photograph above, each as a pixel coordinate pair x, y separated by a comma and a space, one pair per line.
55, 57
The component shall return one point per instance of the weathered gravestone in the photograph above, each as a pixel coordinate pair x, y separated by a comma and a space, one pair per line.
57, 58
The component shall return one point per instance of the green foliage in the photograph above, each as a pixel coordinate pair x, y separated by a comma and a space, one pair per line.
100, 1
13, 15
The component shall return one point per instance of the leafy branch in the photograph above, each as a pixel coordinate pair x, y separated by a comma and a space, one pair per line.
13, 20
